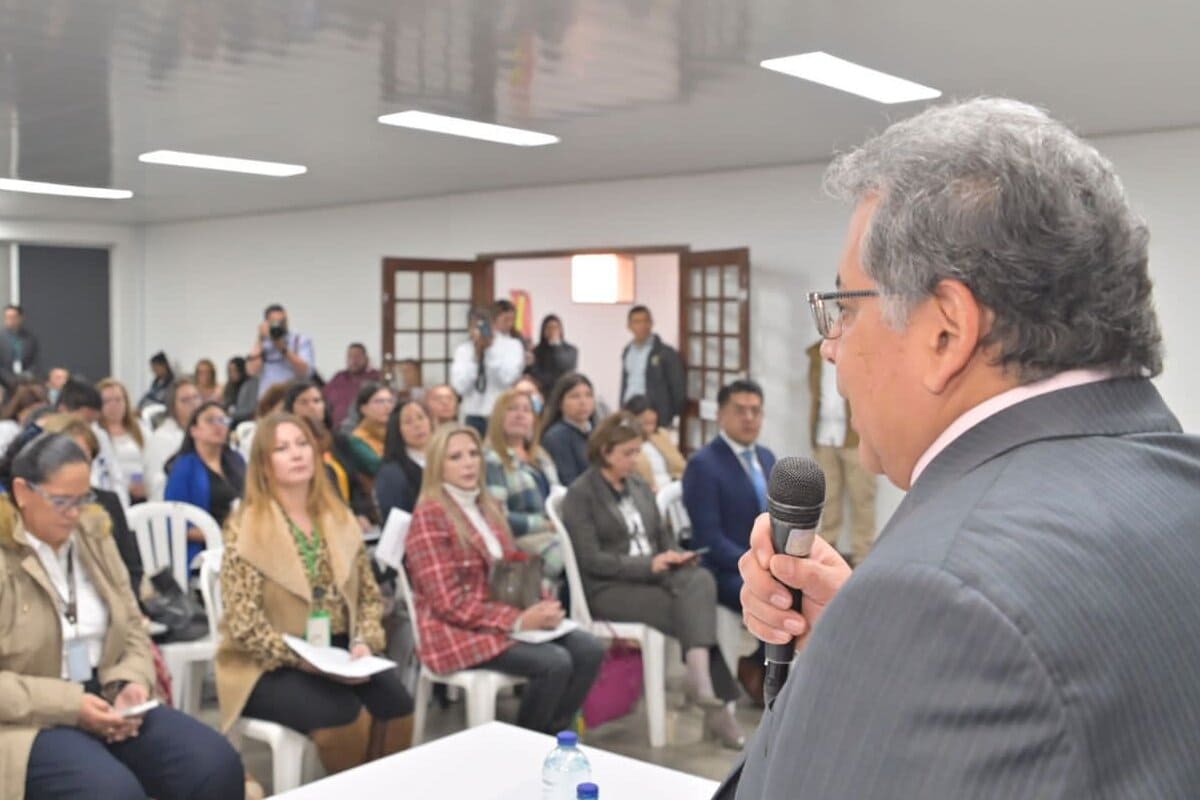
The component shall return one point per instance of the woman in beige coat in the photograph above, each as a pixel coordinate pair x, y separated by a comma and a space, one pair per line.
294, 554
660, 461
74, 654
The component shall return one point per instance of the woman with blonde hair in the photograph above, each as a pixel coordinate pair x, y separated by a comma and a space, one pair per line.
205, 376
126, 435
295, 564
520, 475
458, 534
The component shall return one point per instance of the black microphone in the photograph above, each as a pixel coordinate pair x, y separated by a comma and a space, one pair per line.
795, 497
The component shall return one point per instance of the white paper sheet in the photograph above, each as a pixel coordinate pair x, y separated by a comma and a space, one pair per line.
538, 637
336, 661
390, 549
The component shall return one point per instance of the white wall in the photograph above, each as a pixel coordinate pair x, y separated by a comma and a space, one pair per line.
598, 331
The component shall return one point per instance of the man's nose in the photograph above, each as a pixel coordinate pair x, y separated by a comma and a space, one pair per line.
829, 350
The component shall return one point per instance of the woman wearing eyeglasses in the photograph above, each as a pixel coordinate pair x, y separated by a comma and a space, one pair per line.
374, 405
206, 471
74, 654
632, 572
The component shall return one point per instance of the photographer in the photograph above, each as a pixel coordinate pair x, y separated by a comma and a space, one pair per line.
487, 365
279, 355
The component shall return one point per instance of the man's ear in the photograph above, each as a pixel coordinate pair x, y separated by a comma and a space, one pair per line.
953, 322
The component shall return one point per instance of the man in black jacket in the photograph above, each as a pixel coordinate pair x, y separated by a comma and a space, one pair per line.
652, 368
18, 347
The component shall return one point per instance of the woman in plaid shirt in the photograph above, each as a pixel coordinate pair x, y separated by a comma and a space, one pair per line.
457, 534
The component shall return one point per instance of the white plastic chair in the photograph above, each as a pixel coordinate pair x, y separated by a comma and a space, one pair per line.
161, 531
652, 642
729, 625
673, 512
290, 750
480, 685
243, 437
152, 412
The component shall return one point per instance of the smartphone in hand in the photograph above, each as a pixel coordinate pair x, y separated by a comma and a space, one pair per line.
139, 709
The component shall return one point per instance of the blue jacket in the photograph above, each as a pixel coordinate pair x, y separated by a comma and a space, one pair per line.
721, 502
188, 483
567, 446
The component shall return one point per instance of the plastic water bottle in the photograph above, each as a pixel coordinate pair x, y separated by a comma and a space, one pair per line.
565, 768
587, 791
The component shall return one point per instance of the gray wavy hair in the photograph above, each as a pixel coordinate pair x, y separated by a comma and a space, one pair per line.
1032, 219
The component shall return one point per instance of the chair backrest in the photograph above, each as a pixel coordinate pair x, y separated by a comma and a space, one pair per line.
405, 588
243, 437
673, 512
210, 588
579, 606
161, 530
152, 413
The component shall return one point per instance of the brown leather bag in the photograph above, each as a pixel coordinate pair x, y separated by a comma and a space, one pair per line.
517, 580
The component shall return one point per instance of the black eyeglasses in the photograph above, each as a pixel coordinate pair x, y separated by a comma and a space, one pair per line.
63, 503
827, 309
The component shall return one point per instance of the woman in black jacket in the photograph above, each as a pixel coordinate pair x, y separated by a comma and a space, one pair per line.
398, 482
552, 357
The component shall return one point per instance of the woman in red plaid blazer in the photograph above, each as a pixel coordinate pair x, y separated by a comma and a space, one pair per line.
457, 534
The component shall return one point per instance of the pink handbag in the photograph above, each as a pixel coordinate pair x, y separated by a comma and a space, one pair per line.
617, 687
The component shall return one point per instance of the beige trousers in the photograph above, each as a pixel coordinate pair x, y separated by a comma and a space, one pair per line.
844, 475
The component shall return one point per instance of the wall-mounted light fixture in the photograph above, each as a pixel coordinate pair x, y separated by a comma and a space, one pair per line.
602, 278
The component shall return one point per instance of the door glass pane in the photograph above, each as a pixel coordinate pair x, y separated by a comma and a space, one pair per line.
456, 315
433, 372
433, 285
712, 352
406, 316
696, 283
712, 316
695, 433
712, 281
712, 383
731, 282
460, 286
434, 315
733, 316
732, 352
406, 346
693, 384
433, 345
695, 354
696, 317
405, 284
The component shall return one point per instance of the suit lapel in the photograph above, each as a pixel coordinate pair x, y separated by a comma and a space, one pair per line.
733, 464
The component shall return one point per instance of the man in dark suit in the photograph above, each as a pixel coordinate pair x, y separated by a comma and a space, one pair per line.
653, 368
724, 489
1026, 624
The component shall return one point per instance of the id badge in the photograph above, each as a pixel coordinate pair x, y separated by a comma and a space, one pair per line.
79, 663
316, 632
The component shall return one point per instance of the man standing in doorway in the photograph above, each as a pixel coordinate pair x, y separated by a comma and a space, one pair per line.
652, 368
343, 387
18, 347
835, 449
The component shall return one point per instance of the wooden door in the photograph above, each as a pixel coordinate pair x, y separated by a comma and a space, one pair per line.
714, 303
425, 307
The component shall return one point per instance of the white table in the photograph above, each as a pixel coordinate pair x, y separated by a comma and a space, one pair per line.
496, 761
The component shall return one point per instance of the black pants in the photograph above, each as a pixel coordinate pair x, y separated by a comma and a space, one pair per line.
305, 702
560, 674
173, 757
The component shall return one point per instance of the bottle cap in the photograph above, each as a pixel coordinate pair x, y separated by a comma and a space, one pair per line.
587, 791
568, 738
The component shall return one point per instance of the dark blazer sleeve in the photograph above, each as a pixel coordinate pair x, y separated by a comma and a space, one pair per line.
589, 525
701, 497
392, 490
676, 382
960, 703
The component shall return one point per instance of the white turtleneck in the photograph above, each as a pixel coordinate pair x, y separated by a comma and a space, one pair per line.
468, 501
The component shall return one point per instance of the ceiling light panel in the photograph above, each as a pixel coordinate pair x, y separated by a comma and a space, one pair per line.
63, 189
837, 73
175, 158
454, 126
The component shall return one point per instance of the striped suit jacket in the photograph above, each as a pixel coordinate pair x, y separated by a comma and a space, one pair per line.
1028, 625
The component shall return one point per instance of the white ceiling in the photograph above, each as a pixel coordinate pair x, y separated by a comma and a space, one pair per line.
632, 87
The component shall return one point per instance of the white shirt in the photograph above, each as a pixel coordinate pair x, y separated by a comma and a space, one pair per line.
468, 501
91, 615
831, 414
503, 362
658, 465
637, 357
418, 456
639, 545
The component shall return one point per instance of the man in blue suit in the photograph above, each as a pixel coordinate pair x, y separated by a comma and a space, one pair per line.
724, 489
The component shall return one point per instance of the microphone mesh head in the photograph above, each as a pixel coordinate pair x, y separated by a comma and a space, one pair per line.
797, 491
